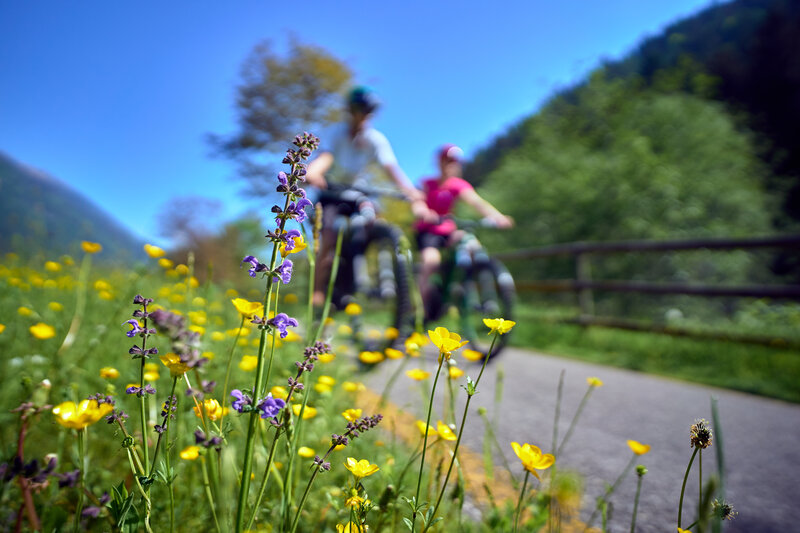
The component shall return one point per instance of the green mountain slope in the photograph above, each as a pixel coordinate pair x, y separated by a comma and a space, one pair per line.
41, 216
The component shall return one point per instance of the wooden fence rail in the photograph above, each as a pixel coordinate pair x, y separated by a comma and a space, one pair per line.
583, 284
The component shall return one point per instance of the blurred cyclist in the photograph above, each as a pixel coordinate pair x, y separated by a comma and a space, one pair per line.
347, 153
435, 228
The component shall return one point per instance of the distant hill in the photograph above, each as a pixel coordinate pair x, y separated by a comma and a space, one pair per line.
40, 215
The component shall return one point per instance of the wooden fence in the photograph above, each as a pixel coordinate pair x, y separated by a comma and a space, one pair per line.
584, 286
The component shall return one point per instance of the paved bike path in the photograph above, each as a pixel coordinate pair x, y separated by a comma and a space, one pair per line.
760, 436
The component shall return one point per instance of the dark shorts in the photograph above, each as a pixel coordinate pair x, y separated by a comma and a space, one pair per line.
431, 240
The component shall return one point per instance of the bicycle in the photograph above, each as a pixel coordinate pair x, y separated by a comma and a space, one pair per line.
474, 286
373, 269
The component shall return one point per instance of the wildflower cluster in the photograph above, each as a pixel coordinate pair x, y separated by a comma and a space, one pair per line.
185, 343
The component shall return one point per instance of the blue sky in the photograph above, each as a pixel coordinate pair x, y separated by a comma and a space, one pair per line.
115, 98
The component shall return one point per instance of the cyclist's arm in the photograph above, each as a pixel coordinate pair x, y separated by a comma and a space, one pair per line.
394, 171
485, 209
316, 170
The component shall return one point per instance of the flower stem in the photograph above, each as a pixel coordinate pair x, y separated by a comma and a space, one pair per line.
575, 418
700, 479
228, 371
636, 503
82, 482
683, 486
263, 487
209, 496
603, 500
519, 501
470, 394
425, 445
329, 295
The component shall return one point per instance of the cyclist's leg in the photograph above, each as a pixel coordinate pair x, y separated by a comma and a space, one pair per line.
429, 246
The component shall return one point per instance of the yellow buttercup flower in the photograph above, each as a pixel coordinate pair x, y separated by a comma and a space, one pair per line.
344, 329
79, 416
52, 266
370, 358
360, 469
200, 330
109, 372
351, 527
24, 311
392, 353
154, 251
42, 331
212, 408
291, 336
91, 247
290, 298
165, 263
322, 388
182, 270
446, 341
354, 501
151, 376
414, 343
217, 336
532, 458
473, 355
56, 306
247, 308
445, 432
190, 453
326, 380
391, 333
417, 374
2, 328
352, 386
326, 357
308, 412
173, 362
299, 246
594, 382
248, 363
638, 448
305, 451
279, 392
352, 309
454, 372
422, 426
498, 325
351, 415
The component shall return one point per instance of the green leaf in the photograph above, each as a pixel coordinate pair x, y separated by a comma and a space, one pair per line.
408, 523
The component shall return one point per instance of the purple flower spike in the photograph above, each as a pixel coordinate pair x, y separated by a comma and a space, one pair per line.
241, 401
135, 328
289, 238
281, 321
257, 267
270, 407
284, 271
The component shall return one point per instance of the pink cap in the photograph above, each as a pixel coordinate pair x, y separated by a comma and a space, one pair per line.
450, 151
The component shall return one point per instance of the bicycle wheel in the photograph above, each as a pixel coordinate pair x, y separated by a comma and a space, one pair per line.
488, 292
382, 289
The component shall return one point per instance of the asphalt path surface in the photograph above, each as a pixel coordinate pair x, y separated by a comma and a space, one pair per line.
760, 436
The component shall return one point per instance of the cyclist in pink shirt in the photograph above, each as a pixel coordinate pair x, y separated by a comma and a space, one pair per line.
436, 230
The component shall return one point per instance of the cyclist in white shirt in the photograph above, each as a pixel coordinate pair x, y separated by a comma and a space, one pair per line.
346, 156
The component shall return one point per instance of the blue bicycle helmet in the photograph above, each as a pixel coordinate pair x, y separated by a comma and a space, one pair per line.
362, 98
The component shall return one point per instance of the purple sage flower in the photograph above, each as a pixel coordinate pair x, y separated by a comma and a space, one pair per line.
135, 328
281, 321
288, 237
241, 401
284, 271
270, 407
256, 266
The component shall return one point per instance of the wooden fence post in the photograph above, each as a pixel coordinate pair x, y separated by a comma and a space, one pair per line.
583, 272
